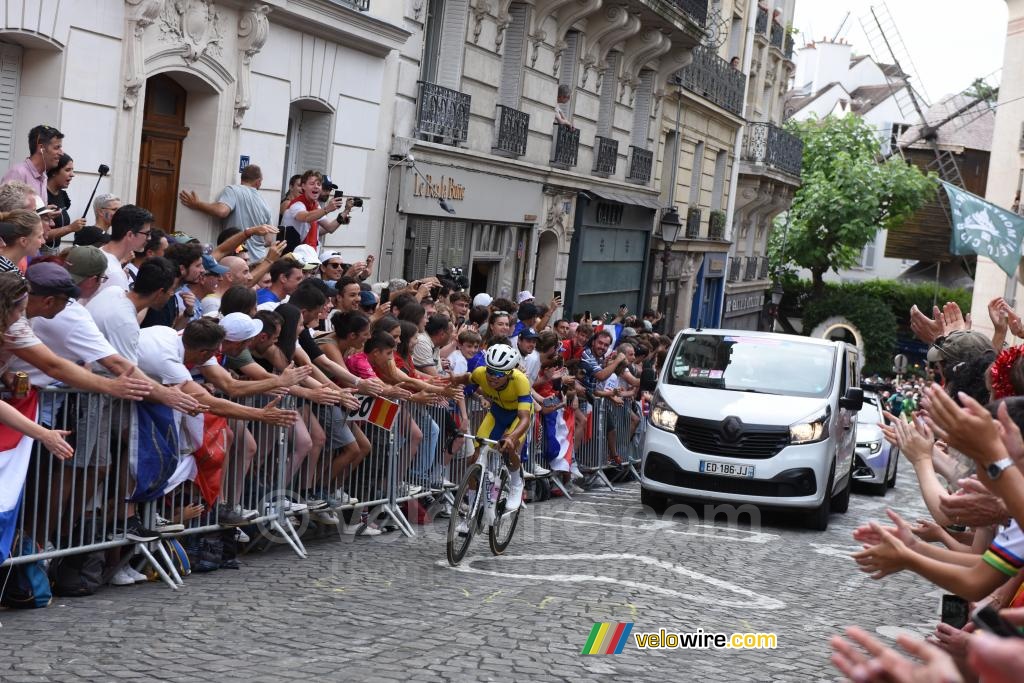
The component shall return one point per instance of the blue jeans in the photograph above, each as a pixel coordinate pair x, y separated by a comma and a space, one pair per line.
427, 455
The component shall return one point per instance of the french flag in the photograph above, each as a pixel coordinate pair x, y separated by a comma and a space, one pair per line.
152, 450
558, 434
15, 451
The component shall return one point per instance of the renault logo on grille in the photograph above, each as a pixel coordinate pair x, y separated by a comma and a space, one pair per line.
732, 428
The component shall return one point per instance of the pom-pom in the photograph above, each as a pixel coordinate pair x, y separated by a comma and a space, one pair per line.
999, 373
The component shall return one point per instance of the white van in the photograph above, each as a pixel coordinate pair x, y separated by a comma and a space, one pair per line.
754, 417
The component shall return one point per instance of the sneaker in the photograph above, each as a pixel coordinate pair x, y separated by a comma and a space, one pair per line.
407, 489
441, 485
166, 526
325, 517
134, 531
539, 471
446, 511
292, 507
361, 529
574, 489
340, 499
241, 536
231, 517
462, 528
515, 496
314, 500
135, 574
123, 577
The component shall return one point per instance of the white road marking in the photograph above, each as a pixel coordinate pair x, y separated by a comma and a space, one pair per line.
673, 528
744, 597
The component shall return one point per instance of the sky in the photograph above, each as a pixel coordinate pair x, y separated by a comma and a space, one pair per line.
950, 42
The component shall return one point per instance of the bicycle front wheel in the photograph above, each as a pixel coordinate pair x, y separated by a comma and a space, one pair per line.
465, 510
499, 535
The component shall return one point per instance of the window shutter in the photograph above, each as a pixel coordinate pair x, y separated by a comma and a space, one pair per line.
512, 60
567, 67
453, 43
314, 142
642, 110
10, 73
609, 89
719, 182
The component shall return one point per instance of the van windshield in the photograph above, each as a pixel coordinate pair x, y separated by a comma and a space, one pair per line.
757, 364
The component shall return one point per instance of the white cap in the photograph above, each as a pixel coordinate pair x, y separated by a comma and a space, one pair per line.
306, 256
240, 327
328, 255
524, 295
482, 299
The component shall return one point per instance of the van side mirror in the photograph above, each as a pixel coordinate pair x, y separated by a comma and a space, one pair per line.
854, 399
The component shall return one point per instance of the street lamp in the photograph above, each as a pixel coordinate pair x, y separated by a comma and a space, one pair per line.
670, 226
777, 293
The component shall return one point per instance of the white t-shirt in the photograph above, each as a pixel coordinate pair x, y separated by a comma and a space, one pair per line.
210, 306
116, 276
71, 334
115, 317
289, 220
162, 355
458, 362
531, 366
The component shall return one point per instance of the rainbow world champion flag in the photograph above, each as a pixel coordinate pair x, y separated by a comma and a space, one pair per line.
607, 638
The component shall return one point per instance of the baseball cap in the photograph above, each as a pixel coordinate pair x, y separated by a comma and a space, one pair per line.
183, 237
528, 333
212, 267
366, 298
627, 332
396, 283
306, 256
325, 257
482, 299
85, 261
45, 279
43, 210
89, 235
959, 346
524, 295
240, 327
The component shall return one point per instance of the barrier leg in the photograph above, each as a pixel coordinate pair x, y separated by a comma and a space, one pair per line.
171, 570
157, 567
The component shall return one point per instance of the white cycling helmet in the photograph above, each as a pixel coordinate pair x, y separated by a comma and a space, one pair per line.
502, 357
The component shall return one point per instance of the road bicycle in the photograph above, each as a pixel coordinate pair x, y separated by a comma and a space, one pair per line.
480, 502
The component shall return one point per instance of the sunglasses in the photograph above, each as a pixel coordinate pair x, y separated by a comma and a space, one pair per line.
498, 373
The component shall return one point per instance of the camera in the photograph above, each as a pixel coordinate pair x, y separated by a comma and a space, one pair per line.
357, 201
455, 277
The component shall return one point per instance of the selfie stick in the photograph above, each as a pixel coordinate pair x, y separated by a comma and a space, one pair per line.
103, 170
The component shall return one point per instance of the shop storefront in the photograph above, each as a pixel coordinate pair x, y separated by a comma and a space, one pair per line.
707, 297
481, 222
743, 310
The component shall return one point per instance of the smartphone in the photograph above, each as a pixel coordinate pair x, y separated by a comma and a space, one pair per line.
337, 193
558, 294
385, 294
954, 610
987, 618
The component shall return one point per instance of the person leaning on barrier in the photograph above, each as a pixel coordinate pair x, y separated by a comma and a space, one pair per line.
20, 341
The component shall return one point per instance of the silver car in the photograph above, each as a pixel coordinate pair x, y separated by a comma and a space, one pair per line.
874, 460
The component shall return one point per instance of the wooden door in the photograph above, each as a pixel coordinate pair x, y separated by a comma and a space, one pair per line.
163, 134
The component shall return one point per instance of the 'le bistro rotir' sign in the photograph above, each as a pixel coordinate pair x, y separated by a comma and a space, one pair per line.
445, 188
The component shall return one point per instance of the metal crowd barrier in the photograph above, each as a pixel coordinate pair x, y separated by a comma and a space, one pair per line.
626, 424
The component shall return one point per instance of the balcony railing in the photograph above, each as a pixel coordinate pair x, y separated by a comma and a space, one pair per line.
734, 268
772, 146
762, 272
777, 35
606, 156
640, 163
565, 146
697, 9
761, 25
716, 225
751, 268
787, 48
710, 76
358, 5
693, 223
442, 114
511, 129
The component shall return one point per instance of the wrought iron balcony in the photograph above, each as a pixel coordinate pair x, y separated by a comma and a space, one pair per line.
787, 48
442, 114
777, 35
640, 163
565, 146
606, 156
761, 24
734, 268
716, 225
693, 223
751, 268
696, 9
767, 144
762, 272
511, 129
710, 76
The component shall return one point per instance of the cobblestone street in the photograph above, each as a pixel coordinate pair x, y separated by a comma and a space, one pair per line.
391, 609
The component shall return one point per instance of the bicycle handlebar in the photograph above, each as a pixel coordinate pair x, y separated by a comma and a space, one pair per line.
479, 439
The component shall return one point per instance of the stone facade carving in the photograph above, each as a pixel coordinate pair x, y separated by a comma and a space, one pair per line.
253, 29
195, 26
144, 14
480, 10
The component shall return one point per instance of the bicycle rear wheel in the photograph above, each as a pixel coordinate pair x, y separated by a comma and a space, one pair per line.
499, 534
463, 511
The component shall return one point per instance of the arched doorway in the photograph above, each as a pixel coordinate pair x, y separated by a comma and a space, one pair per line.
547, 266
163, 137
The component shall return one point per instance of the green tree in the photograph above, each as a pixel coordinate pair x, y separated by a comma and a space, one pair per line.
846, 195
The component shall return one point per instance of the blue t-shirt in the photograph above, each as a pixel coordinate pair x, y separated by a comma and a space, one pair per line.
472, 363
266, 296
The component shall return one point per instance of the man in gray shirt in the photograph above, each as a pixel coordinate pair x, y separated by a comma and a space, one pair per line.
239, 206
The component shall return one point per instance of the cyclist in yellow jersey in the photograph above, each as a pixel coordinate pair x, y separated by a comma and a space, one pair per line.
509, 417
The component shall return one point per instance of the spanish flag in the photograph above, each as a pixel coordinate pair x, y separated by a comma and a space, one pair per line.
383, 413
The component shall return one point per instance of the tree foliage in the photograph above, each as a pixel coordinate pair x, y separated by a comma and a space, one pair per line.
846, 195
875, 321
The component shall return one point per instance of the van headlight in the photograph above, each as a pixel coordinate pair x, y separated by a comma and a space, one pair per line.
809, 432
662, 416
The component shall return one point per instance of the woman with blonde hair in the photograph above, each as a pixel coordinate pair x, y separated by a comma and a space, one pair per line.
22, 233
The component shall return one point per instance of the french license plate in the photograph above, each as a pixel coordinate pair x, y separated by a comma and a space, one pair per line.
726, 469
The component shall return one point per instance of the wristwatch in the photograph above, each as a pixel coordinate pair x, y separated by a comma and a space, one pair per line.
995, 469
